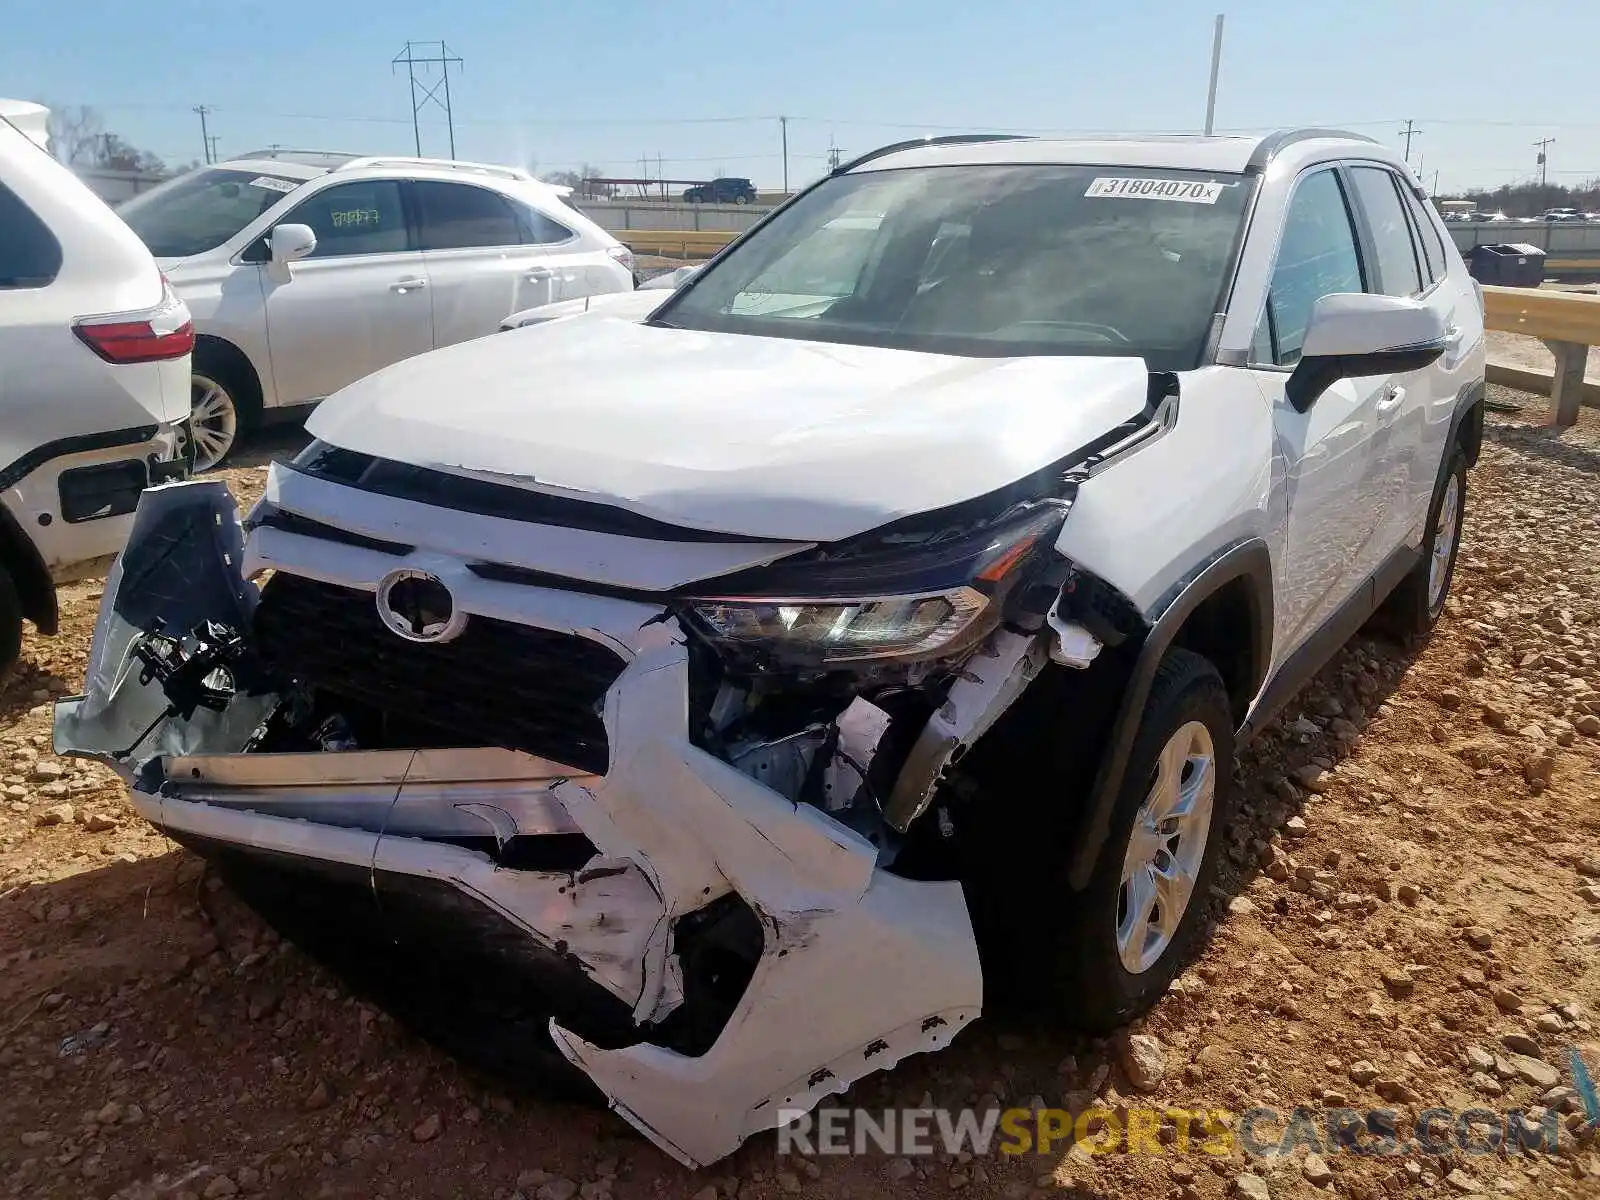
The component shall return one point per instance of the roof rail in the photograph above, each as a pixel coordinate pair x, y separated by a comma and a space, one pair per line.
949, 139
451, 164
286, 151
1275, 142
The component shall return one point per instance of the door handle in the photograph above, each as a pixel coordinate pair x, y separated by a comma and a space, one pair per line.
1391, 400
1453, 335
408, 285
538, 275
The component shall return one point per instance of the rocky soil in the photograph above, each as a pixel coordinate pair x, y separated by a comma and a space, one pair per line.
1409, 917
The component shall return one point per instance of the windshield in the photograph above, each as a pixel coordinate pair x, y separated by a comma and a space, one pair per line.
986, 261
201, 210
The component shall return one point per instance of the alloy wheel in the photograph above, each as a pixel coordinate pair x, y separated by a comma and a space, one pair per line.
213, 421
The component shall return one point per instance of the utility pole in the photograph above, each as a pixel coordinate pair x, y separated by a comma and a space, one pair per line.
1409, 132
1544, 165
833, 155
783, 125
1216, 69
205, 137
430, 94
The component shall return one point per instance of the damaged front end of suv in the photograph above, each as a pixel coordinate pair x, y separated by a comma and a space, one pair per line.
687, 831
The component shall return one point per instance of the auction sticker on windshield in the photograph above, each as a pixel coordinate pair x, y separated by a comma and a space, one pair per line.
1187, 190
273, 184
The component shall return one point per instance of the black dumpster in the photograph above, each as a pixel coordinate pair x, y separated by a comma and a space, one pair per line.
1507, 264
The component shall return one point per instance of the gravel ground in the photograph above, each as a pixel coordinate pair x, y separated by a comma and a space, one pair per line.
1408, 917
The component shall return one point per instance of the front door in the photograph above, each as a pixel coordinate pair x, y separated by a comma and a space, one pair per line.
358, 303
1324, 457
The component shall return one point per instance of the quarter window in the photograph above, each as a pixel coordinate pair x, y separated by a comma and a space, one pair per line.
30, 256
1317, 258
1428, 238
361, 217
455, 216
1398, 274
536, 229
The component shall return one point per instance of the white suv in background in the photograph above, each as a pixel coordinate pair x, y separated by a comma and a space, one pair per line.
94, 367
306, 271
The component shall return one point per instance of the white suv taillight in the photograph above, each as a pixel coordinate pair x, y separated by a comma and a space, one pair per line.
153, 335
622, 254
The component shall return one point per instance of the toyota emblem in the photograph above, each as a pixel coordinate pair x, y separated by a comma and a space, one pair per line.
418, 607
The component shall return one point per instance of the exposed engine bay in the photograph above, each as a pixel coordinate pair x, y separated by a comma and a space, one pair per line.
632, 831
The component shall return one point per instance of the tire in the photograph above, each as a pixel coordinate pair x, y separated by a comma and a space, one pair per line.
1417, 603
1063, 953
224, 407
10, 622
741, 199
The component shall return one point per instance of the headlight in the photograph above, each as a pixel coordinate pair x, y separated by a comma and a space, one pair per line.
840, 631
894, 595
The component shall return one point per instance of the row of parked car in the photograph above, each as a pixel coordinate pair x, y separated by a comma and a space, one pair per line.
228, 297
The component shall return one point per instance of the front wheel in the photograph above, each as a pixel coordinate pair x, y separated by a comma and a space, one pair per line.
1099, 957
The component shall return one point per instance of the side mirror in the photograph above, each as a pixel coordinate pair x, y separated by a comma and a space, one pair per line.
287, 243
1356, 334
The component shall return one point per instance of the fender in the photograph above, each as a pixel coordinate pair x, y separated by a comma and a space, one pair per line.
1248, 560
1466, 423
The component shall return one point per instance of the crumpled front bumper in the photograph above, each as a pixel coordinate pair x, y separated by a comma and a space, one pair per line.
857, 967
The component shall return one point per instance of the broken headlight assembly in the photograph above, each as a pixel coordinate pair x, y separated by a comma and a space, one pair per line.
900, 594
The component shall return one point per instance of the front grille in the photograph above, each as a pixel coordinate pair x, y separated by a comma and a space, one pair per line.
498, 683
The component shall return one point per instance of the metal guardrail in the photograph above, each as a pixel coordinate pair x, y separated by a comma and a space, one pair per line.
674, 243
1568, 323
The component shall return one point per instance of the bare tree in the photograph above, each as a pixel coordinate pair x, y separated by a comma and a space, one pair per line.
578, 180
75, 135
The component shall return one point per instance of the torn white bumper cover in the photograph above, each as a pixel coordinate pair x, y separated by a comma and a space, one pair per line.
599, 881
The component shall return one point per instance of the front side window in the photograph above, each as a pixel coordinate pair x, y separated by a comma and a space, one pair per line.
1398, 274
1317, 257
457, 216
1429, 240
991, 261
199, 211
30, 256
362, 217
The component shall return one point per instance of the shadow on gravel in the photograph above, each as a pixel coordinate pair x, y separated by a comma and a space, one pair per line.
1544, 442
27, 685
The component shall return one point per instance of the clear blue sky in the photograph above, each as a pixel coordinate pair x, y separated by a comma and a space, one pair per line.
701, 82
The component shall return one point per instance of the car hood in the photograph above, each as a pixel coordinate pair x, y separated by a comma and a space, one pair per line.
763, 437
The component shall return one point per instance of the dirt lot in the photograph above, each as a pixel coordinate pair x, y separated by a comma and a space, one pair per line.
1412, 902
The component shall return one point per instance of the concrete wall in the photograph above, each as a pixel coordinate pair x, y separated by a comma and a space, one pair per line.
1555, 238
634, 214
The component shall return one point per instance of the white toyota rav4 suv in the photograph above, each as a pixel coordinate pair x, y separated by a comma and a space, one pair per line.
306, 271
727, 700
94, 378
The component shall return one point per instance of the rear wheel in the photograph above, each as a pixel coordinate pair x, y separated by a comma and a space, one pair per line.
1415, 606
10, 622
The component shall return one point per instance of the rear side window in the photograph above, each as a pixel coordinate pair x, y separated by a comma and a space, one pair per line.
30, 256
363, 217
1428, 238
1398, 273
456, 216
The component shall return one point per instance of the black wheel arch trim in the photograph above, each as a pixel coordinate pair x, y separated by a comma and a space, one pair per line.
1466, 423
1248, 560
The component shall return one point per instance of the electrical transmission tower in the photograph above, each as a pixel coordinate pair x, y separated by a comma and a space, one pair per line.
422, 92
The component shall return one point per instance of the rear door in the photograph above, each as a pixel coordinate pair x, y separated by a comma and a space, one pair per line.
1325, 455
1400, 267
358, 303
484, 258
